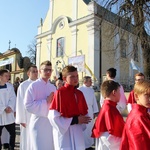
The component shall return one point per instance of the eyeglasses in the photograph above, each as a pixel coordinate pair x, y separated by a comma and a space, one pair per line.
47, 70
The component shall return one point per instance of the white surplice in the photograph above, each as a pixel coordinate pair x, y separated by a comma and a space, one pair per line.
23, 116
91, 101
5, 135
7, 98
107, 142
39, 127
66, 136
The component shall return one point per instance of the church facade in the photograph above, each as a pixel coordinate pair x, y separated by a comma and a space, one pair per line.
84, 34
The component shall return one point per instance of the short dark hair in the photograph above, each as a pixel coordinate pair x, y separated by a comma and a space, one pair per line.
31, 66
67, 69
85, 78
2, 71
108, 86
112, 72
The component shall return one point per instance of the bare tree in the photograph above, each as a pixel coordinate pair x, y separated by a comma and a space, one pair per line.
32, 51
138, 13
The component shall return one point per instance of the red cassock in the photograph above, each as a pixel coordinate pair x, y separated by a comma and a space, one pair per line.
131, 98
69, 101
136, 134
108, 120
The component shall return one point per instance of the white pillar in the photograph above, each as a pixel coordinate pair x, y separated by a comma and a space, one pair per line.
74, 40
130, 51
38, 53
49, 47
117, 53
93, 55
74, 28
74, 9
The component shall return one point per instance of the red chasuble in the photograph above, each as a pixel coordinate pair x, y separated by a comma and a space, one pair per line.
131, 98
108, 120
69, 101
136, 134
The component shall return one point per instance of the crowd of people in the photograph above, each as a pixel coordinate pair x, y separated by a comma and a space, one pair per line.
66, 116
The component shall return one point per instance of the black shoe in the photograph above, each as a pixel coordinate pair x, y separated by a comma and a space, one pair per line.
90, 148
11, 148
5, 146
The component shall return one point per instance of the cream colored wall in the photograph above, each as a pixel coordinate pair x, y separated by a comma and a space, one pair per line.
46, 22
62, 8
65, 7
44, 50
13, 64
82, 44
82, 9
82, 39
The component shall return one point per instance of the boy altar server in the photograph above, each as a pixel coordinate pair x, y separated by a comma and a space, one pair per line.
68, 112
136, 134
7, 107
109, 124
121, 105
131, 100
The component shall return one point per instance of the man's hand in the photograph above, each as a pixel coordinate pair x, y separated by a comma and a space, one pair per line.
50, 98
8, 110
84, 120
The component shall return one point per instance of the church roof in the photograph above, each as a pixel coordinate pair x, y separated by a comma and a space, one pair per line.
15, 49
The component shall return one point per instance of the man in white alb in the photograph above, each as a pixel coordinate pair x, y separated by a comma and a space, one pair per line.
91, 101
37, 101
22, 116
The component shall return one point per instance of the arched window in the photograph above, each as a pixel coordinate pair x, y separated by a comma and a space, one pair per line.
60, 47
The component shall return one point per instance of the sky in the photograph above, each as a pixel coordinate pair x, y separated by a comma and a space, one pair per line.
19, 20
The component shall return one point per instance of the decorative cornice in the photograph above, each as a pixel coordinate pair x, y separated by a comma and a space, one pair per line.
71, 24
8, 54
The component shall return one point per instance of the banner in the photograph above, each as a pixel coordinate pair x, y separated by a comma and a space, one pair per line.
78, 62
6, 62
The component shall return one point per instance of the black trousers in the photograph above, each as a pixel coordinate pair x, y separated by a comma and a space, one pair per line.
11, 129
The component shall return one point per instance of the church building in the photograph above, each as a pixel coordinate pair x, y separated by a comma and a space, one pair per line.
13, 61
84, 34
